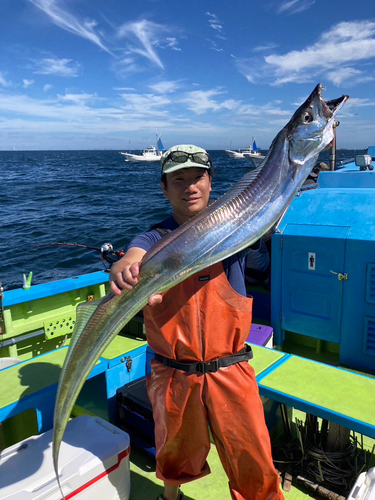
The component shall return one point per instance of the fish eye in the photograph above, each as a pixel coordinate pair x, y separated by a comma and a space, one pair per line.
307, 117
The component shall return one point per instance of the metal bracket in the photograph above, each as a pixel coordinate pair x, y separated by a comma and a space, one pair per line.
128, 362
340, 276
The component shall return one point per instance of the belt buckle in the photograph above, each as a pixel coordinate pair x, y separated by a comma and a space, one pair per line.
201, 367
210, 367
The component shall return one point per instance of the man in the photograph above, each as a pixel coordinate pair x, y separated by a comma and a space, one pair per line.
206, 317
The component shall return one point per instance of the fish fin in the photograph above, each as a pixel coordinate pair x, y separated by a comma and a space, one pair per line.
296, 168
84, 311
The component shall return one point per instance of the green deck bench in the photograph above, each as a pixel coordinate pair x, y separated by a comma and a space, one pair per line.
338, 395
32, 384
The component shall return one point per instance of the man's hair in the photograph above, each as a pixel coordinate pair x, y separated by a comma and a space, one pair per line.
210, 172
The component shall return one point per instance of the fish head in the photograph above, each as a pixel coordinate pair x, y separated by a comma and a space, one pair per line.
310, 129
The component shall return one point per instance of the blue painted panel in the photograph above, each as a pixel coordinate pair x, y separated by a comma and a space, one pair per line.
320, 411
347, 179
369, 337
311, 297
43, 402
276, 280
370, 283
149, 356
118, 375
19, 295
335, 207
122, 358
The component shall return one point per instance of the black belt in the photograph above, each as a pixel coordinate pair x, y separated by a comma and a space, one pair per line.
212, 366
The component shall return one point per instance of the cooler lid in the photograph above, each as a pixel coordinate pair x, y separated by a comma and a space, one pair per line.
90, 446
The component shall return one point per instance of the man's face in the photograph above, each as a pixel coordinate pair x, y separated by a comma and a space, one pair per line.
188, 191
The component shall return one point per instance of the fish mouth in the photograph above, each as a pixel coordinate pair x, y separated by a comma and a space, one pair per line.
331, 107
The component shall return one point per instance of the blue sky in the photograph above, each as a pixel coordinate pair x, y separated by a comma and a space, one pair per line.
90, 74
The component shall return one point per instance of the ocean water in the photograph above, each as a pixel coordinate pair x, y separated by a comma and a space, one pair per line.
83, 197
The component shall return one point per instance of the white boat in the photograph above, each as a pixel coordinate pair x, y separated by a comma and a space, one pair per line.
151, 153
251, 152
234, 154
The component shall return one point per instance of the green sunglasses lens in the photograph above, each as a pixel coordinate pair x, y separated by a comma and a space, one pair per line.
201, 158
179, 156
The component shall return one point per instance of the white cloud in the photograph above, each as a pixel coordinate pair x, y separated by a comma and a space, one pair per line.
349, 76
164, 87
126, 66
144, 35
172, 43
145, 104
27, 83
200, 101
344, 44
70, 112
214, 46
266, 46
58, 67
80, 99
3, 82
124, 89
295, 6
214, 22
47, 87
269, 109
66, 21
356, 102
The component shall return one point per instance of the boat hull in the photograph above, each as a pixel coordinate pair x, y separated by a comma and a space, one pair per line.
131, 157
234, 154
256, 159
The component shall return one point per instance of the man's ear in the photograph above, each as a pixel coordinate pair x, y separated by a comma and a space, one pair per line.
164, 189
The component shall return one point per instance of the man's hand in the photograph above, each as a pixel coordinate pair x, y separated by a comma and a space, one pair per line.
124, 276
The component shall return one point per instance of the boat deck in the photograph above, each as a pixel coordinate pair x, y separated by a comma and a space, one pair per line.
279, 376
214, 486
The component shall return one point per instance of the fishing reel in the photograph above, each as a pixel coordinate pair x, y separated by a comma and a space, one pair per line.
107, 254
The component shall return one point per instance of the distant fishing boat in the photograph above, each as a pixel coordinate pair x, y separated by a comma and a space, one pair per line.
151, 153
251, 152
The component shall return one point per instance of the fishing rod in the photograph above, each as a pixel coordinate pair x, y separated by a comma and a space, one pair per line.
107, 253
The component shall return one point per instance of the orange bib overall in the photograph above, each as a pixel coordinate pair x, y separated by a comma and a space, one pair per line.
202, 319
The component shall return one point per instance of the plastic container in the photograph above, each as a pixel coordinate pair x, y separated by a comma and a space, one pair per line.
364, 488
261, 335
93, 463
363, 160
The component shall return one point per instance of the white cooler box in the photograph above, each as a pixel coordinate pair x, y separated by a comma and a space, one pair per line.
93, 464
364, 488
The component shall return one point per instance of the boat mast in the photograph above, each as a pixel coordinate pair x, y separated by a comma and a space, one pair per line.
332, 156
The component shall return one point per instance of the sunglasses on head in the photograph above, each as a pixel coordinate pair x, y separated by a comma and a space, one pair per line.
181, 157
